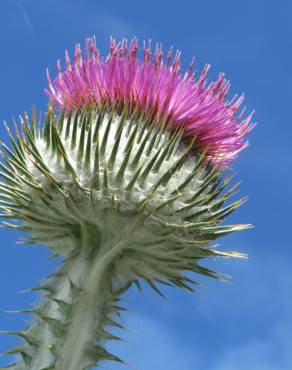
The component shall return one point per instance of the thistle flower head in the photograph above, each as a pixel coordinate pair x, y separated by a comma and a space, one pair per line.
158, 87
125, 183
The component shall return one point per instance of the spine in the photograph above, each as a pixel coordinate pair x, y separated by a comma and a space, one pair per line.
80, 303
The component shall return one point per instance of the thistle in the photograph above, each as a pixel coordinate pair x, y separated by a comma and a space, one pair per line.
125, 181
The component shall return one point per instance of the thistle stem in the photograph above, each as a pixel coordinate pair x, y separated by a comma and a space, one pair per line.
90, 296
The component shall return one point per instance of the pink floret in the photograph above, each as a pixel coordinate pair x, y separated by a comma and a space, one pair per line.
157, 86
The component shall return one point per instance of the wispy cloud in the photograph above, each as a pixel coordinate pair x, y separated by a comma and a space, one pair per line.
272, 351
152, 346
151, 341
260, 326
24, 15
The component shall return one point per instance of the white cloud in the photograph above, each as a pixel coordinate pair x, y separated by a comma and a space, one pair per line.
255, 312
271, 353
152, 346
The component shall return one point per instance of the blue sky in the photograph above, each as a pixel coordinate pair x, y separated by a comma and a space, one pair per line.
238, 326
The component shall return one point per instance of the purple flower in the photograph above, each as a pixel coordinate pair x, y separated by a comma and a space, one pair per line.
157, 87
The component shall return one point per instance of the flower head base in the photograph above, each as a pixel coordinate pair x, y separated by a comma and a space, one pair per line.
155, 86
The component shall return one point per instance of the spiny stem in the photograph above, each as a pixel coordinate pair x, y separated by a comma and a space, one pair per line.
94, 287
70, 329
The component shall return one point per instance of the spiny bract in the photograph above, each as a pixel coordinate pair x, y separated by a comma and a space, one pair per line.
125, 183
